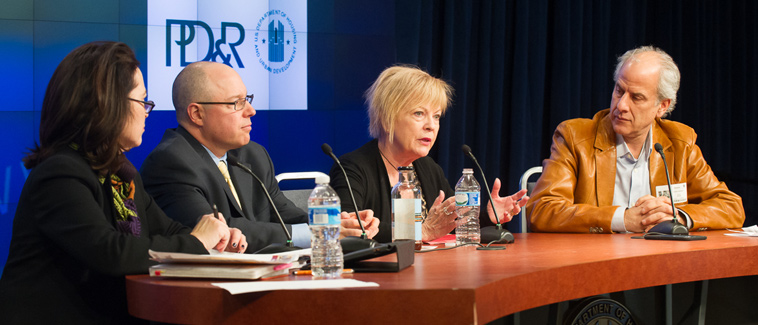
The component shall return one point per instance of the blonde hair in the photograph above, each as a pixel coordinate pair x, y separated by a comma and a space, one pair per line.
399, 88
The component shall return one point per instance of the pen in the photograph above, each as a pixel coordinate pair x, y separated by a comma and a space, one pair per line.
215, 211
309, 272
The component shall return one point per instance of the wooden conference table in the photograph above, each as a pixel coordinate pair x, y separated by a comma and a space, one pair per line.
463, 285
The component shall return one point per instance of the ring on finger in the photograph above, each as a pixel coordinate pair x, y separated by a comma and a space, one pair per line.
444, 210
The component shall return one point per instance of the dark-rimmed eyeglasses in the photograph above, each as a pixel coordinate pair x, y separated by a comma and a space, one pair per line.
237, 104
149, 105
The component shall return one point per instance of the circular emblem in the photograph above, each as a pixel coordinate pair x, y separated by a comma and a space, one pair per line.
461, 198
600, 311
275, 41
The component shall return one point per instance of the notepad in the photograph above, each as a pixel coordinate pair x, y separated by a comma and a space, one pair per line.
226, 271
225, 265
216, 257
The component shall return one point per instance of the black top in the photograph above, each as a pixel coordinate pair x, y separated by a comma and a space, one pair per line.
186, 182
67, 261
372, 188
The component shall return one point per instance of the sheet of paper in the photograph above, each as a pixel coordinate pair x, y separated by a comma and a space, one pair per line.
217, 257
236, 288
751, 231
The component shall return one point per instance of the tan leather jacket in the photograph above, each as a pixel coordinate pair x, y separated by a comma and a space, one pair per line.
575, 190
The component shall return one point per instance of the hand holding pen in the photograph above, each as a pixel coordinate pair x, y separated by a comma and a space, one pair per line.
213, 232
215, 211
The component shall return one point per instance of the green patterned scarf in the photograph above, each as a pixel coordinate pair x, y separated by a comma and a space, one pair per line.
122, 186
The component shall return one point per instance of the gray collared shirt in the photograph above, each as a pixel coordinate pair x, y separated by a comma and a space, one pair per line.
632, 178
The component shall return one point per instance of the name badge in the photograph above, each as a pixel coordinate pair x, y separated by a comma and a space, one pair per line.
680, 192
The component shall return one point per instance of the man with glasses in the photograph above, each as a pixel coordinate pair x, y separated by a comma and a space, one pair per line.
190, 171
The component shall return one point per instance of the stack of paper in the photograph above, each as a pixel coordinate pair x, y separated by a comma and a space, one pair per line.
751, 231
225, 265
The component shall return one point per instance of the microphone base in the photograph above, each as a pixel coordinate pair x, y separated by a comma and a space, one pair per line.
495, 235
351, 244
670, 228
402, 250
276, 248
490, 248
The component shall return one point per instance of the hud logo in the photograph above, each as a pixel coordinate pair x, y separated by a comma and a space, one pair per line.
598, 310
272, 44
187, 36
277, 38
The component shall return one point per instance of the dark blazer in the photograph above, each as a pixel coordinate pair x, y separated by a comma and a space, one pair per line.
186, 182
372, 188
67, 261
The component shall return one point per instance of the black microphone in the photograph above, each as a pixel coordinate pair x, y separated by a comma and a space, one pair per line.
350, 243
272, 248
674, 227
490, 234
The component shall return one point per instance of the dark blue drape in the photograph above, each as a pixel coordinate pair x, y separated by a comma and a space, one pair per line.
521, 67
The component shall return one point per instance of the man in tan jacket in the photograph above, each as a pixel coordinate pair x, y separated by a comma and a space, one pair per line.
604, 176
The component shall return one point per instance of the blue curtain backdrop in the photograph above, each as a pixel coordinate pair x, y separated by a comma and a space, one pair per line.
519, 68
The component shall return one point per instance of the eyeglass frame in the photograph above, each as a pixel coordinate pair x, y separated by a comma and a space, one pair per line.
248, 98
149, 105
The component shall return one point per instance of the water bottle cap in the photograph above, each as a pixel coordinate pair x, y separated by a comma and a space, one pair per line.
468, 171
322, 179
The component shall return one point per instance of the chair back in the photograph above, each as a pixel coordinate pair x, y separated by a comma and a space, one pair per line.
529, 186
299, 196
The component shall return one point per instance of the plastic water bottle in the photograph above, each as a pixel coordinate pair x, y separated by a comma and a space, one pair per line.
467, 204
406, 207
324, 221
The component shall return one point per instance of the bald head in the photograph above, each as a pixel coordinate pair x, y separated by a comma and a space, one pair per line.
210, 104
197, 82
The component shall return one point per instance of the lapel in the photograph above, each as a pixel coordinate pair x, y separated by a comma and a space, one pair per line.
657, 169
605, 162
208, 164
106, 194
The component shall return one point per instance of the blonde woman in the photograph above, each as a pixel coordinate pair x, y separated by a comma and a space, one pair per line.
405, 105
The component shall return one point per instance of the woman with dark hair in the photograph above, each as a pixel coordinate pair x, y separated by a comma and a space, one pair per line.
83, 219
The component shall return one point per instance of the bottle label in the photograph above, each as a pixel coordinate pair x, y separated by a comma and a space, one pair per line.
467, 199
418, 219
324, 215
405, 212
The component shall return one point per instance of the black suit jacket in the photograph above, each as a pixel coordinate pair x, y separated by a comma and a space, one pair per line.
372, 188
186, 182
67, 261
